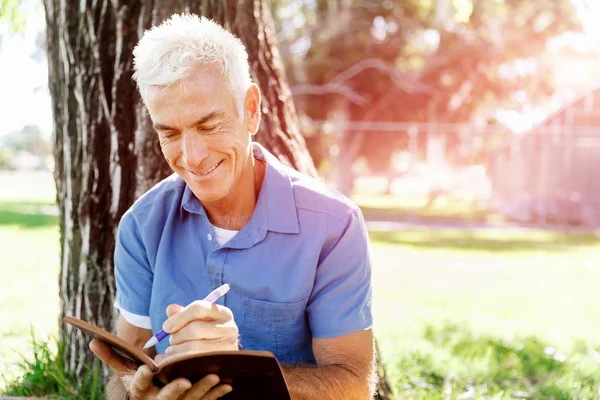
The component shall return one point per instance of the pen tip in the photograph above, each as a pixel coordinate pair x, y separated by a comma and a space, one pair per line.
152, 342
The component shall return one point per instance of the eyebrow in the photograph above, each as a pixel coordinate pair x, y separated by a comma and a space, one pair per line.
207, 118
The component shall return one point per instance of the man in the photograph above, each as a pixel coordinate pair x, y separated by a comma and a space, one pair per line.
294, 252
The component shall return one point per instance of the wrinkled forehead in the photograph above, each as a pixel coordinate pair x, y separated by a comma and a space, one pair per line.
203, 84
186, 101
202, 77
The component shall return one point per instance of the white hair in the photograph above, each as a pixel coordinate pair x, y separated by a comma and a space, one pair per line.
168, 53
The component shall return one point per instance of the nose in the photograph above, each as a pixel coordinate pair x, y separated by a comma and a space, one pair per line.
194, 149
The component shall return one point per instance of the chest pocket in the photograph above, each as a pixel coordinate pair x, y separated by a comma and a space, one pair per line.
280, 328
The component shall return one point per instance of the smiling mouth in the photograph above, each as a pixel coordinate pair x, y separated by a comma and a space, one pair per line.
208, 171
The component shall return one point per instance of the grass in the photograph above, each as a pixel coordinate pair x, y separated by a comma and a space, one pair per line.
45, 375
424, 276
478, 314
29, 267
27, 215
29, 248
504, 240
447, 207
451, 362
474, 313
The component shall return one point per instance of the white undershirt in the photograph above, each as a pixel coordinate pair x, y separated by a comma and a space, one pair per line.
143, 321
223, 235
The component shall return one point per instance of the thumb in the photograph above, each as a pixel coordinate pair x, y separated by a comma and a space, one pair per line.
173, 309
119, 364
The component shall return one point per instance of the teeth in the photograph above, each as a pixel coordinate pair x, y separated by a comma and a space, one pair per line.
210, 170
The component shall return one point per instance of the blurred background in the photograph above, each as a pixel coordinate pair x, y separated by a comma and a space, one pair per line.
467, 131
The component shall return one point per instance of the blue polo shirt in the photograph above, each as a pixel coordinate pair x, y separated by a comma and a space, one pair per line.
300, 268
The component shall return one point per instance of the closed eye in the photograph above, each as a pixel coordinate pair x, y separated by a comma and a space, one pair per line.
210, 129
168, 134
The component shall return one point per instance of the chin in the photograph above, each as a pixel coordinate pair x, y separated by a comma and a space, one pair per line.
208, 196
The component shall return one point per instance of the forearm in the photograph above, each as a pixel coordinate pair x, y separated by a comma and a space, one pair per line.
115, 389
327, 382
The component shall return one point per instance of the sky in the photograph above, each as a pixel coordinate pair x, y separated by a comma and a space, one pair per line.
24, 96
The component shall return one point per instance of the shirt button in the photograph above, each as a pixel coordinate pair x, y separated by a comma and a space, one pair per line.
209, 236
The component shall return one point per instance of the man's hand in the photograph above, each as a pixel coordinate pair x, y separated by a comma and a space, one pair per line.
200, 327
138, 381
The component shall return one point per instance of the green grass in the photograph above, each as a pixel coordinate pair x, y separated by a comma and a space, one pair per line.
452, 362
28, 214
449, 304
29, 267
45, 375
546, 285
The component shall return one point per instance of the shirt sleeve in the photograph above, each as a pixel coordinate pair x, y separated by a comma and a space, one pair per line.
133, 274
341, 299
141, 321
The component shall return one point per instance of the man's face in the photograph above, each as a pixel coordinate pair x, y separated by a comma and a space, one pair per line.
201, 135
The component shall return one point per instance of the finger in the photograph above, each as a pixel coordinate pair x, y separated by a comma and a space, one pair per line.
198, 330
202, 346
142, 382
159, 358
119, 364
202, 387
173, 309
174, 389
198, 310
217, 392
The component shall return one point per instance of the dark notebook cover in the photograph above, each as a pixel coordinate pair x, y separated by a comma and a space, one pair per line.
251, 374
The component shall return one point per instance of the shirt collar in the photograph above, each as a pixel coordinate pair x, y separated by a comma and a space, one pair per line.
275, 208
280, 203
190, 203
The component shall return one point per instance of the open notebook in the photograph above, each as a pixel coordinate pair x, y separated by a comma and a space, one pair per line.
251, 374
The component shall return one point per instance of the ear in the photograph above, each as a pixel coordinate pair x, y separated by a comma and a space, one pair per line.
252, 109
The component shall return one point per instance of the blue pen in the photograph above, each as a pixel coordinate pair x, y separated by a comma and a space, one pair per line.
211, 298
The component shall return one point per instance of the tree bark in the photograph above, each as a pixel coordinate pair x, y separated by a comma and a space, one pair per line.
94, 107
105, 149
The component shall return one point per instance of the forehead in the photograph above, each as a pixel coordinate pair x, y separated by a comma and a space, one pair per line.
204, 90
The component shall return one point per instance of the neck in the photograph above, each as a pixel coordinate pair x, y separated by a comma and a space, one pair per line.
235, 210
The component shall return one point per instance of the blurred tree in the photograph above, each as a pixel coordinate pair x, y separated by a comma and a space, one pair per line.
11, 17
29, 139
445, 61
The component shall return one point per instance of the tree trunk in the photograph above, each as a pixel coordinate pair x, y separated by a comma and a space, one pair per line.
94, 107
105, 150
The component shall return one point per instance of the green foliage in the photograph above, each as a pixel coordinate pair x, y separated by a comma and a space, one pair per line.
451, 362
11, 15
45, 376
6, 156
